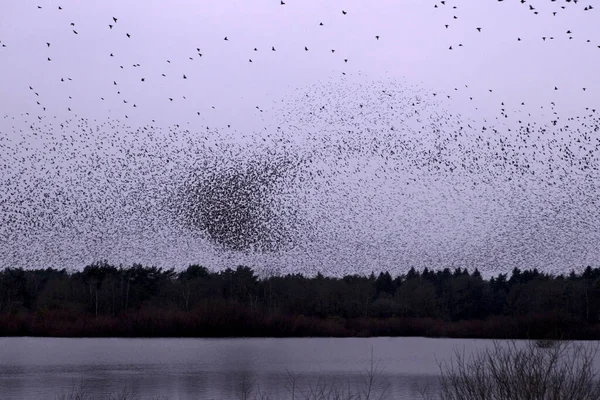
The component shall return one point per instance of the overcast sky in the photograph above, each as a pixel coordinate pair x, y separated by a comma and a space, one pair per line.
413, 46
222, 87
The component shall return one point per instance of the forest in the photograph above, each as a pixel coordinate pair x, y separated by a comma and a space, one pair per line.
104, 300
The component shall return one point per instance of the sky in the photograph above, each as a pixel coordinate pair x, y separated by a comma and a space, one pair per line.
413, 45
362, 221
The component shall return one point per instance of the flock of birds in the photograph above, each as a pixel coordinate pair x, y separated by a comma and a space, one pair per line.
351, 177
125, 96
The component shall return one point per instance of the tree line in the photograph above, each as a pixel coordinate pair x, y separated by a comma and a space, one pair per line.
109, 300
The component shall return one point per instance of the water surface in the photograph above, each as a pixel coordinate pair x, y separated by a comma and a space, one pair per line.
41, 368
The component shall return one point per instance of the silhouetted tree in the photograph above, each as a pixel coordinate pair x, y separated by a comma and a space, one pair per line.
199, 301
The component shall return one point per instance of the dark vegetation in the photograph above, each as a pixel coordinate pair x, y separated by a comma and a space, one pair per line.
107, 300
510, 371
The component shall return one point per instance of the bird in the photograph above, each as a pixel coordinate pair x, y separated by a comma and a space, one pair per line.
446, 150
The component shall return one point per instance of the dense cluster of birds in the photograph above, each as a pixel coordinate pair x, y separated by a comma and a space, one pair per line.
238, 203
355, 173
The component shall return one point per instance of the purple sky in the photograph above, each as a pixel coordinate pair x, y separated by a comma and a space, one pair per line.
413, 46
435, 222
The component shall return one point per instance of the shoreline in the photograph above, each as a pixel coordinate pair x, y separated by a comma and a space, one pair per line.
104, 300
195, 325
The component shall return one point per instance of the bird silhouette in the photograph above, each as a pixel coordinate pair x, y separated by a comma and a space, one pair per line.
386, 153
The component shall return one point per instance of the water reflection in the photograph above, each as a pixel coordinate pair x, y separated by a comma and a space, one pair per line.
40, 368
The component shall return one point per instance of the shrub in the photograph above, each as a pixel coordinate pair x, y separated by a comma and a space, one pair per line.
514, 371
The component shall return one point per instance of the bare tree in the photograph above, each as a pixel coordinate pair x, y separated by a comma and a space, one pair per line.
76, 393
373, 387
516, 370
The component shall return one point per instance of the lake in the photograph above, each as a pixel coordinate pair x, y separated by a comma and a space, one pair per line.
42, 368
